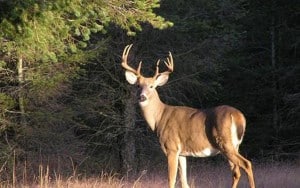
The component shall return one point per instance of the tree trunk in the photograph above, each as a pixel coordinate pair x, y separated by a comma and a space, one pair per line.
128, 148
275, 119
21, 81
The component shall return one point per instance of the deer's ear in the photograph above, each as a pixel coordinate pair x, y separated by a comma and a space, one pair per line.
131, 77
162, 79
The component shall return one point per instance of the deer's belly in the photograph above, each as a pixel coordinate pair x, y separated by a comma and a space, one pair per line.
207, 152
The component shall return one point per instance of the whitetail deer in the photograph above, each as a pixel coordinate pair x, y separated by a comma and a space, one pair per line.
185, 131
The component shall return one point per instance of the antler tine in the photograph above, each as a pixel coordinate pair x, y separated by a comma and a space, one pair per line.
169, 64
157, 69
139, 68
125, 64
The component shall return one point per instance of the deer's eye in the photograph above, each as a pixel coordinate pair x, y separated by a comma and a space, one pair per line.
151, 86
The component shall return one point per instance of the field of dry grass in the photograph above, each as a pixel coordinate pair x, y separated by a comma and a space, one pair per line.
275, 175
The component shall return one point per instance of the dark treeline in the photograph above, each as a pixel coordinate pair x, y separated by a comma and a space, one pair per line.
64, 100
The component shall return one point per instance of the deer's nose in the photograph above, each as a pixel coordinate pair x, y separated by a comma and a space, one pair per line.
142, 98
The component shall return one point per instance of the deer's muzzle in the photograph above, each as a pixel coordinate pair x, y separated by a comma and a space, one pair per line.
142, 98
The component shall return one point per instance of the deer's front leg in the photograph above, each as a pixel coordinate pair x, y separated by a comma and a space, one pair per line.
182, 171
172, 168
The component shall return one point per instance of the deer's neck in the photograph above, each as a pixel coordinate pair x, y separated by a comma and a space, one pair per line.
153, 111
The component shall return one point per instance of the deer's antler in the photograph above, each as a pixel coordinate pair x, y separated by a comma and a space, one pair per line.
125, 64
169, 63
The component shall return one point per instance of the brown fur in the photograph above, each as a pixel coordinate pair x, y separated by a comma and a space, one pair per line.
182, 130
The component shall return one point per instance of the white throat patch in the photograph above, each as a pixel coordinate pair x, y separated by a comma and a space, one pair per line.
144, 103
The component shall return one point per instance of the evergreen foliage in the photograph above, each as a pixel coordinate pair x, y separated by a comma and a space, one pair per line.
43, 46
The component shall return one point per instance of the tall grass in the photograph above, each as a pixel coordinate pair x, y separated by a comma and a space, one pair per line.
275, 175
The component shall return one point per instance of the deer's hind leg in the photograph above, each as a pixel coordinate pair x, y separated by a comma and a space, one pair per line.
238, 161
236, 174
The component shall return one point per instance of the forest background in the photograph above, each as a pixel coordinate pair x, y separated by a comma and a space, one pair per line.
65, 103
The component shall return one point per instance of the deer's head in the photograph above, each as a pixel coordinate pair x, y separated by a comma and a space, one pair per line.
147, 85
